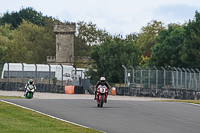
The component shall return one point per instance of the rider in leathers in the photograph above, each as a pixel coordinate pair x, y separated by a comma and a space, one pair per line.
102, 81
30, 82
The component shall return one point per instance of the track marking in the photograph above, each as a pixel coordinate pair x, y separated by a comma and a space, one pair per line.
50, 115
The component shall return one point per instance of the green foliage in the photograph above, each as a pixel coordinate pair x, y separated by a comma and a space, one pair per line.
146, 39
28, 14
54, 79
178, 46
30, 43
191, 47
110, 56
169, 43
87, 35
80, 47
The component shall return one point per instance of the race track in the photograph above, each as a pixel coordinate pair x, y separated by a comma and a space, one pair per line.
118, 116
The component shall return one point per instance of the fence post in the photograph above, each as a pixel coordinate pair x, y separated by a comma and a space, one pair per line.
199, 79
22, 72
62, 74
190, 77
133, 76
35, 73
181, 77
185, 78
49, 74
140, 76
8, 86
176, 77
164, 76
156, 77
124, 75
148, 77
194, 77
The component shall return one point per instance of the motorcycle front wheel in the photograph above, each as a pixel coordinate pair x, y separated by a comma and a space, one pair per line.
101, 103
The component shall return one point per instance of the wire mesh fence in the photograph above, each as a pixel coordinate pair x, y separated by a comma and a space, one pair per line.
47, 77
163, 79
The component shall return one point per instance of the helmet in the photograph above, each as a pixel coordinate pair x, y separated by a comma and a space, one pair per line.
102, 79
31, 81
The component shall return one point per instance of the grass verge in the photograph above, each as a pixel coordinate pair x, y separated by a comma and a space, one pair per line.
11, 97
14, 119
186, 101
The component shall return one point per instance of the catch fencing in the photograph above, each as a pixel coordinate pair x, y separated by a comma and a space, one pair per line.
155, 78
14, 76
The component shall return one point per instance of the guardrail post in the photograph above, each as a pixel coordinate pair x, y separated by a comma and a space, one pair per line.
156, 77
164, 76
133, 76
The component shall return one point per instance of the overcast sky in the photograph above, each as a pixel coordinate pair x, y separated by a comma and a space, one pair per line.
116, 16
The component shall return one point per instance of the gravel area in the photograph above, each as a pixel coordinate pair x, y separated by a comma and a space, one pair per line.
39, 95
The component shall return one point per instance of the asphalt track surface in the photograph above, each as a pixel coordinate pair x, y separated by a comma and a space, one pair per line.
121, 116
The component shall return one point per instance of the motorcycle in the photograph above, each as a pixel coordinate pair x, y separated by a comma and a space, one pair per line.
29, 94
102, 93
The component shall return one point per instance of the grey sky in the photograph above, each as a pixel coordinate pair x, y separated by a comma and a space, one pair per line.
116, 16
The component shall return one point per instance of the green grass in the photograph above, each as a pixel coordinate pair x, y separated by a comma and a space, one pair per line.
14, 119
11, 97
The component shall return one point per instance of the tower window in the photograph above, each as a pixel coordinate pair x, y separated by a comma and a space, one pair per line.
58, 44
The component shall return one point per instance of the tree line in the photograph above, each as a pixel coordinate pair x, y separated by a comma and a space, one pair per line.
27, 36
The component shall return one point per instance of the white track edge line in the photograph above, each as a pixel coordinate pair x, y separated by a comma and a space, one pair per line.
50, 115
194, 104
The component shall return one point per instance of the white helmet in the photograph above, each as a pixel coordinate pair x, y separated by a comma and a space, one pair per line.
102, 79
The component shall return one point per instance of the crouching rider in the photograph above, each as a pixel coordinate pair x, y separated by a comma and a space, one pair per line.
30, 82
102, 81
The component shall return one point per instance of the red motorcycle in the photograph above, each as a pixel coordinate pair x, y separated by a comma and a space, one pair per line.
101, 97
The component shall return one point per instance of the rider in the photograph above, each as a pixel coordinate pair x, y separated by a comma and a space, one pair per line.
30, 82
102, 81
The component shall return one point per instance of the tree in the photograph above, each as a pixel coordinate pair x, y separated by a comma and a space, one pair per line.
146, 39
166, 51
30, 43
28, 14
5, 36
110, 56
190, 54
87, 35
